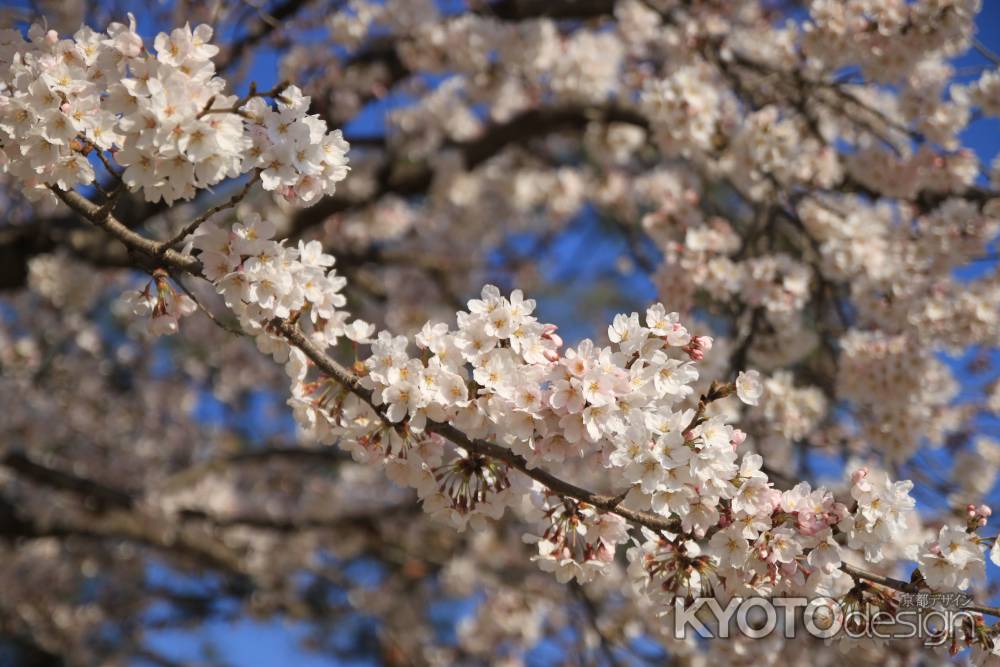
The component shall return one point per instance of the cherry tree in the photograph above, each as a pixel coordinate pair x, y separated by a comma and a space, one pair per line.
257, 339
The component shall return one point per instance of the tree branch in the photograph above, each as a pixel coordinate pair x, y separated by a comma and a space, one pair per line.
608, 503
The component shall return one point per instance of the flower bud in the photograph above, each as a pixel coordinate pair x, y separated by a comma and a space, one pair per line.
698, 346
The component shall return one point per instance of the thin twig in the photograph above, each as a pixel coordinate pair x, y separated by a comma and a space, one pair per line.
986, 52
193, 226
222, 325
237, 107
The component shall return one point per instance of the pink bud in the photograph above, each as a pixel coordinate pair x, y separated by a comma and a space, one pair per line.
698, 346
551, 356
859, 475
985, 510
982, 522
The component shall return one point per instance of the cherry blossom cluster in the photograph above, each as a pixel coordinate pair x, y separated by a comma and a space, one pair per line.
686, 108
297, 157
503, 376
764, 541
906, 174
975, 470
65, 281
579, 542
885, 512
885, 38
771, 149
788, 414
874, 367
261, 279
953, 559
164, 117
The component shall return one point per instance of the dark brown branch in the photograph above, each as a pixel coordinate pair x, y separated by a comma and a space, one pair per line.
417, 179
94, 494
516, 10
131, 526
291, 524
146, 251
110, 513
